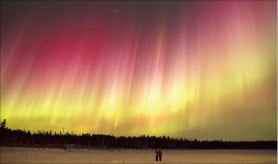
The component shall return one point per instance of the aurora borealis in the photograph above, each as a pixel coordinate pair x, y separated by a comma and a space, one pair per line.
193, 69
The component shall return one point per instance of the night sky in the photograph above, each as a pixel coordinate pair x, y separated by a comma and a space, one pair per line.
203, 69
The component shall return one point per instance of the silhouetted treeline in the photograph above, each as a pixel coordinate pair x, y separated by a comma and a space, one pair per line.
9, 137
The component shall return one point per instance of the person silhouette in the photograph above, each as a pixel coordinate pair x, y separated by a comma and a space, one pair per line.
160, 155
156, 154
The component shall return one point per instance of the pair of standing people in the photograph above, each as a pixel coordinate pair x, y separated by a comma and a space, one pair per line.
158, 155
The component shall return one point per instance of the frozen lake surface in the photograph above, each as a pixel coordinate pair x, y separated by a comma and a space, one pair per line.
45, 155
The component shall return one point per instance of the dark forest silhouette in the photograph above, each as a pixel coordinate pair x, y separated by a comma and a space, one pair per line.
10, 137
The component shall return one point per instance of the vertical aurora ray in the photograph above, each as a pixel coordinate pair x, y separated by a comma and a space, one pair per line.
203, 70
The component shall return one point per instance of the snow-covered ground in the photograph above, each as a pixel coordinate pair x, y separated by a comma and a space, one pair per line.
44, 155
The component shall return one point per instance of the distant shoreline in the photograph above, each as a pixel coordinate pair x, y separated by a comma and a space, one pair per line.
119, 149
21, 138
